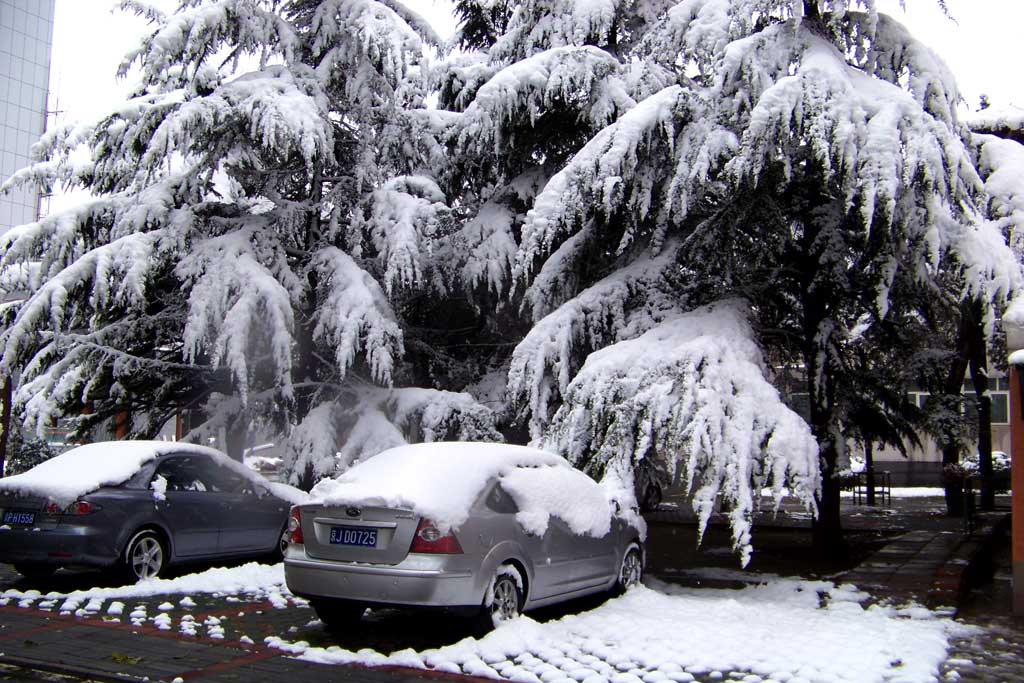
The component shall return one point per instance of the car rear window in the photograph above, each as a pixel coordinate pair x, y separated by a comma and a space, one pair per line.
499, 501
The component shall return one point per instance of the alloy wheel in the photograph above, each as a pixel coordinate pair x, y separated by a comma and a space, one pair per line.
632, 570
147, 557
506, 599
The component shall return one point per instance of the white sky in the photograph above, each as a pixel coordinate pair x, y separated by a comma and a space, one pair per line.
982, 48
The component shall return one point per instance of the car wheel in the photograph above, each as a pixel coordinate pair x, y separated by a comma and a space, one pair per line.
504, 599
651, 498
337, 613
277, 554
145, 556
35, 572
631, 570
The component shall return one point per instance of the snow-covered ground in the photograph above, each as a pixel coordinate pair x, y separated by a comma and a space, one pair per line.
782, 630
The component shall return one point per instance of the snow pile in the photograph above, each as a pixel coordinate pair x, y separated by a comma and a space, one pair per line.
675, 634
441, 481
570, 495
64, 478
258, 581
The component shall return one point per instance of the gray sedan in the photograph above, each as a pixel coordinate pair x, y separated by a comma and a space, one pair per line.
497, 562
179, 504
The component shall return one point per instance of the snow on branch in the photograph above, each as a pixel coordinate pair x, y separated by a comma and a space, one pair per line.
1005, 122
622, 306
536, 25
175, 55
884, 154
112, 276
610, 176
480, 254
398, 218
366, 46
1001, 163
337, 434
239, 299
278, 109
884, 48
691, 395
354, 316
576, 78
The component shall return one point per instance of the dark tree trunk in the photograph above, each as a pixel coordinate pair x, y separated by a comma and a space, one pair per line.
869, 470
978, 358
827, 528
950, 442
5, 422
236, 435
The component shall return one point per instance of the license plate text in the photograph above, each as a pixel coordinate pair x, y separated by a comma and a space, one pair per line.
344, 535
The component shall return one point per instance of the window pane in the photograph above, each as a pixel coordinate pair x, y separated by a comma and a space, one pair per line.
1000, 408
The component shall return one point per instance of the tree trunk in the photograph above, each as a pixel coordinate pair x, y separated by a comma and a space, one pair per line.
952, 387
235, 437
827, 528
978, 357
5, 422
869, 470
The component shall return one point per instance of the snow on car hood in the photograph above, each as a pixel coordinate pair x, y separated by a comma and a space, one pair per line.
70, 475
442, 480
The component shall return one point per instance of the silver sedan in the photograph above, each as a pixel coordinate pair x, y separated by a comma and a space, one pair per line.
347, 557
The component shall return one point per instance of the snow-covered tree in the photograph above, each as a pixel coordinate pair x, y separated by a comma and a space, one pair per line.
258, 230
675, 158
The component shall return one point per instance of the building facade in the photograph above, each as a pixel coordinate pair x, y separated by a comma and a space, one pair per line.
26, 36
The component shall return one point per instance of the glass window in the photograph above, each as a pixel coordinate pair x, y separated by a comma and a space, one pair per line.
800, 403
183, 473
499, 501
1000, 408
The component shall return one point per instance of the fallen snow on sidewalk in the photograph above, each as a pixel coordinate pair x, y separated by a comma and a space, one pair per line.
784, 630
254, 580
781, 630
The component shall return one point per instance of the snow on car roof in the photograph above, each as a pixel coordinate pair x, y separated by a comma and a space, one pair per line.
72, 474
442, 480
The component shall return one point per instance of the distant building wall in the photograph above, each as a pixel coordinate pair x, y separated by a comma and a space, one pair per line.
26, 36
923, 465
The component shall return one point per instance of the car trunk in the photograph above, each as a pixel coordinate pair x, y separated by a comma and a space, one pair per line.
18, 512
353, 534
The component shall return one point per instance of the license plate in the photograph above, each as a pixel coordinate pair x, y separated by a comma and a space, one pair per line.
14, 517
347, 535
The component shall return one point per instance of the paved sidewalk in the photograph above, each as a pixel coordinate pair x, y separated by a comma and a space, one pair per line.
921, 556
109, 651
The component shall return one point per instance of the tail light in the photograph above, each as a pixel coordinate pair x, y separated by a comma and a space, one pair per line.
429, 539
295, 526
78, 508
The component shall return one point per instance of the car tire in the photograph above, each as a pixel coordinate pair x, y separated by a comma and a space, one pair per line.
631, 569
35, 571
504, 598
337, 613
145, 556
651, 498
277, 554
